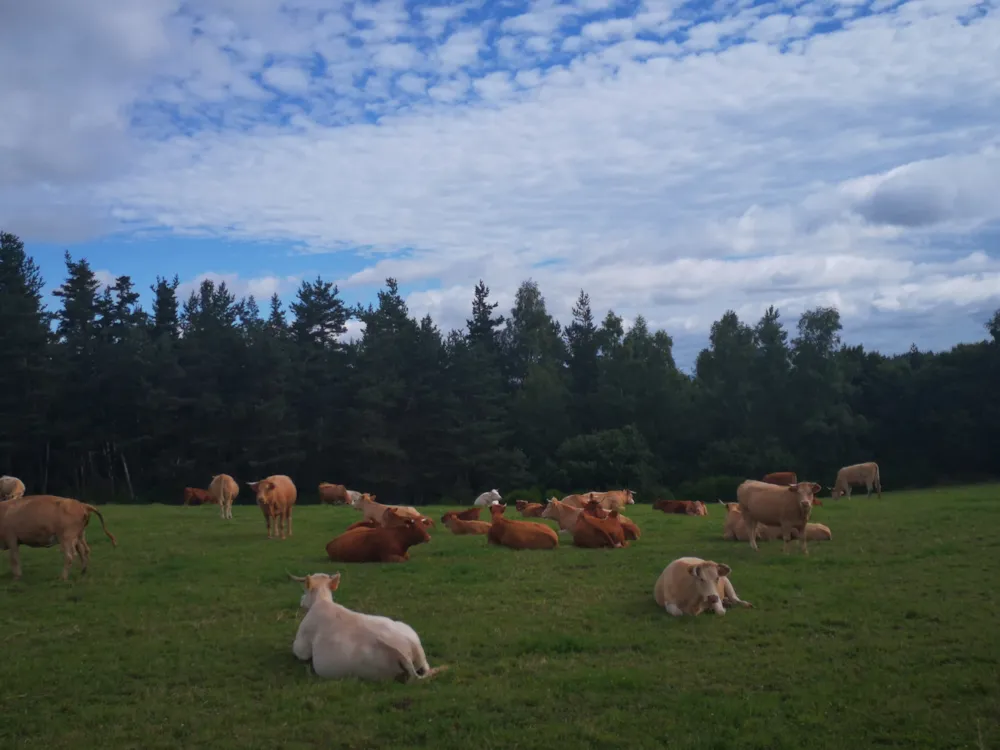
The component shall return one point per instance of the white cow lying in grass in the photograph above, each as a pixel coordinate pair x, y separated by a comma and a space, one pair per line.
492, 497
343, 643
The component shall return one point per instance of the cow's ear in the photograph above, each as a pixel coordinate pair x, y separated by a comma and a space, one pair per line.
722, 569
334, 583
817, 488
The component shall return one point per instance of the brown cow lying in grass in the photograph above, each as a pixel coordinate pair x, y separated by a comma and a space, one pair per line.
682, 507
44, 521
457, 525
469, 514
529, 510
519, 534
690, 586
374, 511
389, 519
196, 496
594, 532
390, 543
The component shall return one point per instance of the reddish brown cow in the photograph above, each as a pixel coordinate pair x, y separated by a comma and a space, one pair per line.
381, 544
276, 497
593, 532
782, 478
195, 496
470, 514
519, 534
529, 510
682, 507
453, 520
594, 508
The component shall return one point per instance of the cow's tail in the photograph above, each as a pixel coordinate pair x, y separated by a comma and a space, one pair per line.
92, 509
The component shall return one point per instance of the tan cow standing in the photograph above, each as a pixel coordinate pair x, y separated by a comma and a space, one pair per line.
44, 521
735, 529
276, 496
690, 586
771, 504
224, 489
11, 488
866, 474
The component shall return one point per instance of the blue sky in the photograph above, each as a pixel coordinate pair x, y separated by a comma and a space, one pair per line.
672, 159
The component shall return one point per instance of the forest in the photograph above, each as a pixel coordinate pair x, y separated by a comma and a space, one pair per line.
103, 400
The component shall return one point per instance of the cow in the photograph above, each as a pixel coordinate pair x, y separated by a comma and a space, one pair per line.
594, 508
469, 514
866, 474
593, 532
488, 498
789, 507
529, 510
735, 529
612, 500
682, 507
44, 521
11, 488
782, 478
276, 497
387, 520
457, 525
374, 511
690, 586
196, 496
519, 534
340, 642
564, 515
225, 490
333, 494
386, 544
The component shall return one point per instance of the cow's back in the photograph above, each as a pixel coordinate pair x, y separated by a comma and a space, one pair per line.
36, 519
766, 503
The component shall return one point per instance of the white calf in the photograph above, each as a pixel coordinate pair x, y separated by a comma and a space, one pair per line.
488, 498
343, 643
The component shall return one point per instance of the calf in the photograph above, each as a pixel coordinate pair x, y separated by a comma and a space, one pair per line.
224, 489
343, 643
195, 496
690, 586
519, 534
11, 488
276, 496
381, 544
459, 526
866, 474
788, 507
593, 532
488, 498
44, 521
735, 529
529, 510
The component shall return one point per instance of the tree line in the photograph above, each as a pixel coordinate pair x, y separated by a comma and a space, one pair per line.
104, 400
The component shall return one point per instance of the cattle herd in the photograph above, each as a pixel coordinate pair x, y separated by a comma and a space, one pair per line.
342, 643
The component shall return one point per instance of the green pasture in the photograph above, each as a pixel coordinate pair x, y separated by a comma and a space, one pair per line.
181, 637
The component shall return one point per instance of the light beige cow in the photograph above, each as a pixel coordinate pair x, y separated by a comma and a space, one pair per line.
224, 489
11, 488
563, 514
690, 586
788, 507
373, 511
866, 474
611, 500
44, 521
735, 529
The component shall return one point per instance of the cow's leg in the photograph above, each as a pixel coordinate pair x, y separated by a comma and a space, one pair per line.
83, 549
288, 520
69, 552
802, 539
729, 593
752, 532
878, 486
868, 486
786, 535
15, 560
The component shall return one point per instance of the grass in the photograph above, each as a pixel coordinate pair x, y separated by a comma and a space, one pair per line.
885, 637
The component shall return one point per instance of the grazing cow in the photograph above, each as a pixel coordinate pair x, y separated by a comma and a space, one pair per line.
866, 474
11, 488
333, 494
564, 515
783, 478
788, 507
390, 543
225, 489
488, 498
375, 511
593, 532
454, 521
690, 586
682, 507
529, 510
195, 496
735, 529
343, 643
469, 514
276, 496
519, 534
44, 521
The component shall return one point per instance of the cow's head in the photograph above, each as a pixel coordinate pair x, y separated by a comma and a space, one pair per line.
520, 504
415, 531
317, 586
806, 492
263, 489
629, 497
836, 492
497, 509
549, 511
594, 508
706, 575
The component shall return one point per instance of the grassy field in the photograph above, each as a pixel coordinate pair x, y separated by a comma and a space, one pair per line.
181, 638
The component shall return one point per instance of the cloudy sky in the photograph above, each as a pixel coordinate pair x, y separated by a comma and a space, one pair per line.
671, 158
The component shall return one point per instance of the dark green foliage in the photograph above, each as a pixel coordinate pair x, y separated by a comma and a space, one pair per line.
116, 402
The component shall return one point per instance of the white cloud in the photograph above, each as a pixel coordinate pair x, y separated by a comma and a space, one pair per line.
261, 287
669, 177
